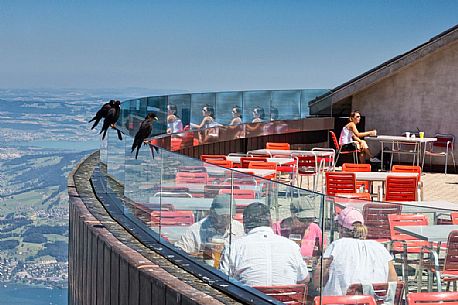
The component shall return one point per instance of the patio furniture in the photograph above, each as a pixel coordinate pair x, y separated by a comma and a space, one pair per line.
288, 294
281, 146
404, 148
400, 189
432, 298
380, 290
327, 156
442, 148
244, 161
308, 166
410, 169
265, 166
239, 194
205, 158
354, 167
190, 177
339, 149
172, 218
376, 220
340, 182
222, 163
346, 299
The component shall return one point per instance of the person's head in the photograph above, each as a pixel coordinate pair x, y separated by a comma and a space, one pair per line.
256, 215
151, 116
221, 211
236, 112
273, 113
208, 110
258, 113
172, 109
302, 212
351, 223
355, 117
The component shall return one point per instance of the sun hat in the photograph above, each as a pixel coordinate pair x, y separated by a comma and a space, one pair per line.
348, 217
223, 205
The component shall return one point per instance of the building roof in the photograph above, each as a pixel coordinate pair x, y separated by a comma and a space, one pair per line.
384, 70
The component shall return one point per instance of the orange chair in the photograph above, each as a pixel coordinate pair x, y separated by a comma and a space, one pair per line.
454, 216
403, 244
410, 169
340, 183
376, 220
222, 163
352, 167
339, 149
308, 165
172, 218
265, 165
401, 188
432, 298
290, 294
380, 290
278, 146
239, 193
190, 177
244, 161
205, 158
345, 299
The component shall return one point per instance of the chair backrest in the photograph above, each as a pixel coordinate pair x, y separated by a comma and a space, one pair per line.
290, 294
222, 163
190, 177
432, 298
443, 139
210, 191
346, 299
401, 188
407, 169
307, 163
239, 193
334, 139
340, 183
172, 218
380, 290
376, 219
244, 161
192, 169
263, 165
405, 220
451, 258
353, 167
278, 146
454, 217
212, 157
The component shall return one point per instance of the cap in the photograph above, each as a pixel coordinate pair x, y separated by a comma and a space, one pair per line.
222, 205
302, 209
349, 216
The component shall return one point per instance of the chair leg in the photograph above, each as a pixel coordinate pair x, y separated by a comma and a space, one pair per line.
446, 164
454, 165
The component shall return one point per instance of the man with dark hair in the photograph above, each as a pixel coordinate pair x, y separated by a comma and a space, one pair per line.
262, 258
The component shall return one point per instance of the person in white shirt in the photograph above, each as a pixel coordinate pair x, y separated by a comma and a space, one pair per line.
262, 258
218, 223
353, 259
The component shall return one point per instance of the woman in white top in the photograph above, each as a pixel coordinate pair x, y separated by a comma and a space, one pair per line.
353, 259
174, 123
351, 138
236, 116
208, 113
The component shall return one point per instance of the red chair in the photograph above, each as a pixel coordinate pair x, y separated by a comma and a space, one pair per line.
403, 244
380, 290
308, 165
222, 163
442, 148
290, 294
239, 194
244, 161
401, 188
432, 298
376, 220
340, 183
339, 149
454, 216
352, 167
172, 218
265, 165
205, 158
278, 146
346, 299
210, 191
410, 169
190, 177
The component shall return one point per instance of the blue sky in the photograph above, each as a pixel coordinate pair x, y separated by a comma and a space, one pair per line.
208, 45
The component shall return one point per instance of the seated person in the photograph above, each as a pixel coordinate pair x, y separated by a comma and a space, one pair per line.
208, 113
258, 115
262, 258
301, 222
351, 139
218, 223
353, 259
236, 116
174, 123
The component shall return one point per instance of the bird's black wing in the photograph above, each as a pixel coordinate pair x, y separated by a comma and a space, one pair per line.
142, 133
109, 119
100, 114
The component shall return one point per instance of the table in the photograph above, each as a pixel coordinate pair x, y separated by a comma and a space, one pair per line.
318, 153
381, 176
432, 233
397, 139
257, 172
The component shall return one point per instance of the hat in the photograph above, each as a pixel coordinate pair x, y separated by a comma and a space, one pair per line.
348, 217
223, 205
302, 209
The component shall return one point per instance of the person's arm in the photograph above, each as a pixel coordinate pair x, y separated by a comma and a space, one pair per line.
358, 135
326, 262
392, 275
202, 124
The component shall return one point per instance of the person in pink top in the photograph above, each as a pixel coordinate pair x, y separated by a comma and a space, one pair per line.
301, 222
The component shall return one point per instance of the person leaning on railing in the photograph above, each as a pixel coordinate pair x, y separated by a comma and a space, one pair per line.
353, 259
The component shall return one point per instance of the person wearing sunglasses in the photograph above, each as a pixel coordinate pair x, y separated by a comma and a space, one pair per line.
351, 139
236, 116
208, 113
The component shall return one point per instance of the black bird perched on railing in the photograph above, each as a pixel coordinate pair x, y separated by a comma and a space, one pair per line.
143, 132
111, 119
102, 113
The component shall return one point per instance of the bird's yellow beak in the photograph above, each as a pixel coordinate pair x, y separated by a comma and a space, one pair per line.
156, 118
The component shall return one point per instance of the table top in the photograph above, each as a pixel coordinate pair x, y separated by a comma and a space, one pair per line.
430, 233
381, 176
195, 203
256, 171
279, 161
400, 139
318, 153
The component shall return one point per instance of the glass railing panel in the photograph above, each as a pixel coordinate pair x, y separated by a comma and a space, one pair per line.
158, 105
116, 157
229, 107
203, 104
285, 105
256, 106
125, 111
308, 95
135, 112
182, 103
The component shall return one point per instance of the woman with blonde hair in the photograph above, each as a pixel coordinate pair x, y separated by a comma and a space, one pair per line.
351, 139
353, 259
